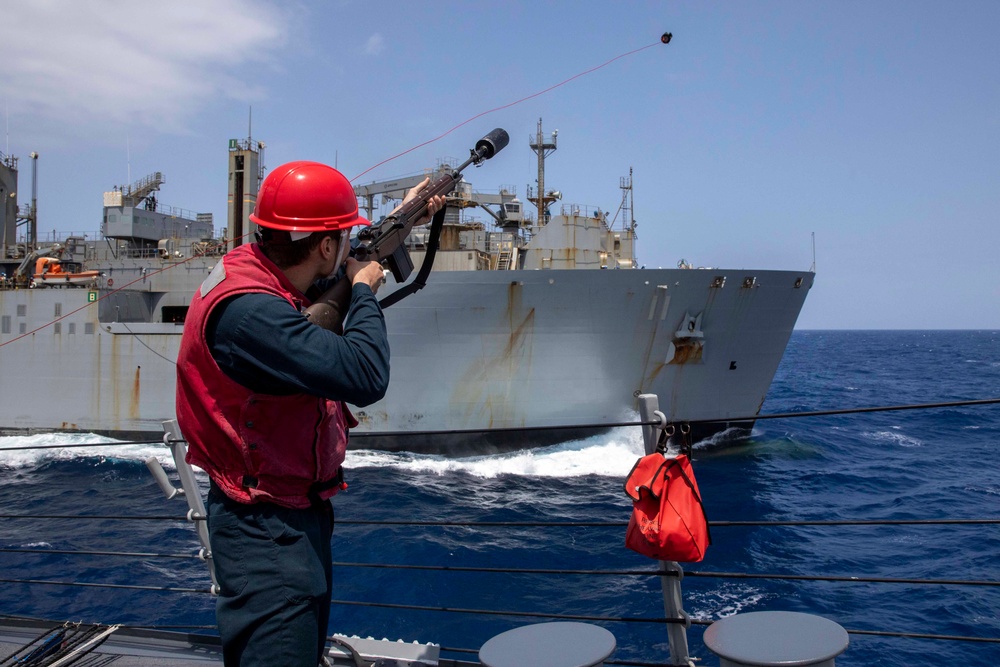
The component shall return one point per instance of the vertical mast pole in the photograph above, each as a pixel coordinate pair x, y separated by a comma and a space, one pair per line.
33, 225
541, 173
542, 148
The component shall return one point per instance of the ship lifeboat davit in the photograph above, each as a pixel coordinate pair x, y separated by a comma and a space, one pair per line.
49, 271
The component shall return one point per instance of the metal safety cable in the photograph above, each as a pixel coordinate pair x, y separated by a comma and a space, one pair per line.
780, 415
664, 39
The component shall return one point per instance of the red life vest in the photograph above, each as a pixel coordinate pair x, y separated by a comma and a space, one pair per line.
256, 447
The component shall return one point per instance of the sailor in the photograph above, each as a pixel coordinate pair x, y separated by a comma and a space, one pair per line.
261, 396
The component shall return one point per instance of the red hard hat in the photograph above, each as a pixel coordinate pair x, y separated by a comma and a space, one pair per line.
306, 197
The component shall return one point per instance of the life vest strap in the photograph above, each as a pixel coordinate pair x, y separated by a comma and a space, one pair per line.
319, 487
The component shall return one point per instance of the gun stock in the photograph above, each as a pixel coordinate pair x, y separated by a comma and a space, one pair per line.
385, 241
330, 308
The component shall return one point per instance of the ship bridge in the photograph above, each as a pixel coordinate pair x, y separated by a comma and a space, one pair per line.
132, 214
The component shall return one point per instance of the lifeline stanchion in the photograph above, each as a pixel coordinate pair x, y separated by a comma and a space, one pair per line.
189, 489
673, 601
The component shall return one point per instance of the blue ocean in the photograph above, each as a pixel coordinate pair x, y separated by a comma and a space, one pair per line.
933, 464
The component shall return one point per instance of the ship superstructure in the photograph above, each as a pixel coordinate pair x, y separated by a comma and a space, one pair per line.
533, 317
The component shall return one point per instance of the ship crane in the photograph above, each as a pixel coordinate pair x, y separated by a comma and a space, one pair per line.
22, 274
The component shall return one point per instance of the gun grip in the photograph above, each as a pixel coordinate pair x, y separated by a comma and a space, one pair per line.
400, 264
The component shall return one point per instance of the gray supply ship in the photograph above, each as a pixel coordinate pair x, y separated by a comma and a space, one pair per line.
527, 320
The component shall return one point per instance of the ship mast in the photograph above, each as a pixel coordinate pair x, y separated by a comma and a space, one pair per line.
628, 203
542, 147
246, 171
32, 218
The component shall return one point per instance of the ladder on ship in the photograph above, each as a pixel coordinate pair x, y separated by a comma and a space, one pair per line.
506, 258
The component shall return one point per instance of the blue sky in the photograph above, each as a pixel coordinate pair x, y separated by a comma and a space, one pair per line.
874, 125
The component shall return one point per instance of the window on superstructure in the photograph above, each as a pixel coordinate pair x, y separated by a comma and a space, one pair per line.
22, 328
72, 328
58, 310
22, 310
57, 328
5, 324
174, 314
88, 328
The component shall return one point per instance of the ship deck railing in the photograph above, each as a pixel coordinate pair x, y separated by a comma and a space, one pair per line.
675, 619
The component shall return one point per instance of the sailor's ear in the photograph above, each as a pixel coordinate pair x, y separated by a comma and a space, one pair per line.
328, 247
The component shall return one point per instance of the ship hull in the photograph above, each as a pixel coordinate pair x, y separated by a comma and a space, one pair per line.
482, 361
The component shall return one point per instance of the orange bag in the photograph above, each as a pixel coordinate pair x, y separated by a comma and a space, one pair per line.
668, 519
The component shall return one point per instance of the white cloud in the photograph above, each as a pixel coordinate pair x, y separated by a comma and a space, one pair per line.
143, 62
374, 45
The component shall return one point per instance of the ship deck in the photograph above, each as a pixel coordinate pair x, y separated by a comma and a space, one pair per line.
139, 647
125, 647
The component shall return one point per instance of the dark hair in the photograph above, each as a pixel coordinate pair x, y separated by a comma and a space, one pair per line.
278, 246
